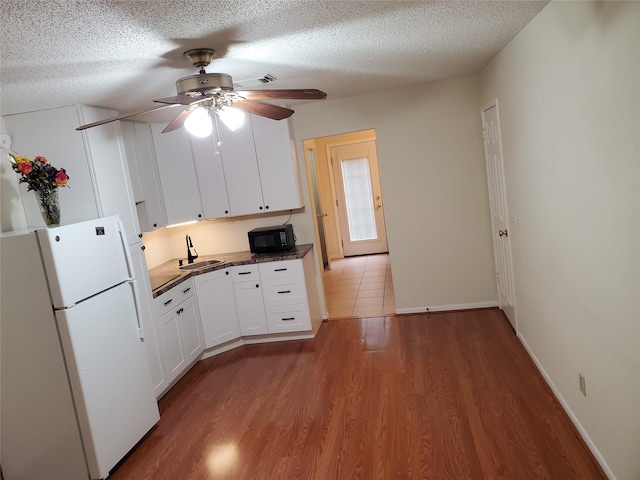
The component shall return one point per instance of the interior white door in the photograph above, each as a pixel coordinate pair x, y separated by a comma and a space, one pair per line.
360, 210
499, 211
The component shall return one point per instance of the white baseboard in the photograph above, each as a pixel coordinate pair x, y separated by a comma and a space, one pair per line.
444, 308
583, 433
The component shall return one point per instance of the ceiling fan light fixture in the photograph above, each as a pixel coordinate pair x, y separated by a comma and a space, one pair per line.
198, 123
231, 117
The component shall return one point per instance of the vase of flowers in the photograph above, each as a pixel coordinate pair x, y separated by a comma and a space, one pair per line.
44, 179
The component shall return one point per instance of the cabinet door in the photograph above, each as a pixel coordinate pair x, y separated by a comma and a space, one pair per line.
217, 305
130, 148
277, 164
177, 174
143, 305
251, 314
107, 158
51, 133
241, 169
190, 329
171, 347
213, 187
151, 211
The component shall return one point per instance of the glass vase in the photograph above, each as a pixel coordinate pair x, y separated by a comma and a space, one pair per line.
49, 206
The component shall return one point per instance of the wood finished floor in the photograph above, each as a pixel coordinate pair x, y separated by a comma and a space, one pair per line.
433, 396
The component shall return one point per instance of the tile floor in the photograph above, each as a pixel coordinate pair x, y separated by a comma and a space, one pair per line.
359, 287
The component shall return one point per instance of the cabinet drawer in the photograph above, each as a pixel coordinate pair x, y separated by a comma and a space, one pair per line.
290, 318
285, 291
245, 273
281, 269
168, 300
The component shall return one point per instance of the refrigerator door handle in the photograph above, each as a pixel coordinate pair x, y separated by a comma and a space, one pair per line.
132, 278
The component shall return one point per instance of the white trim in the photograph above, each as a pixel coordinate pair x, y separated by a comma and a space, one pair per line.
225, 347
444, 308
565, 406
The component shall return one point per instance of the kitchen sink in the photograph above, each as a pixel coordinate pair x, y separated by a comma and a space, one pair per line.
202, 264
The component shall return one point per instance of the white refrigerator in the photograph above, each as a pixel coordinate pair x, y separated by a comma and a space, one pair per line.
76, 393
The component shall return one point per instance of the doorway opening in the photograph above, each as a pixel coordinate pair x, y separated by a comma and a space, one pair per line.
350, 228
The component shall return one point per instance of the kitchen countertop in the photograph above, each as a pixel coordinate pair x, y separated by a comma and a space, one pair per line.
168, 275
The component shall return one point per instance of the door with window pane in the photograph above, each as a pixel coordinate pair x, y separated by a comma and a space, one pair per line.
359, 198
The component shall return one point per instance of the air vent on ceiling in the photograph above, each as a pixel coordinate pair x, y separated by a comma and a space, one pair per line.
251, 82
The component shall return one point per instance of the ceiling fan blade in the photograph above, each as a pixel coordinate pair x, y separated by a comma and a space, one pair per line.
178, 121
183, 100
274, 112
292, 94
122, 117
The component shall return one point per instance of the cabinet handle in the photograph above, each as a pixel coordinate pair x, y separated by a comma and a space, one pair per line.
226, 212
185, 291
139, 235
168, 302
288, 319
260, 208
155, 225
257, 285
284, 291
267, 207
199, 215
279, 269
180, 310
244, 273
143, 247
226, 273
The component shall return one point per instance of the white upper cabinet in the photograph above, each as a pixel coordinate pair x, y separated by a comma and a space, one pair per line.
178, 176
240, 166
131, 149
211, 180
145, 177
259, 167
277, 164
94, 160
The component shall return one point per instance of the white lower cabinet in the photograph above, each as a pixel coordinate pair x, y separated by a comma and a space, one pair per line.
143, 302
285, 296
249, 303
178, 327
170, 345
217, 305
288, 318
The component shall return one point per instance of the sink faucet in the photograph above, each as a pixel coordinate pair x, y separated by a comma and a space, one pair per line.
191, 252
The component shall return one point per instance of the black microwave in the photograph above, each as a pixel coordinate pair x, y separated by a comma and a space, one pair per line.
271, 239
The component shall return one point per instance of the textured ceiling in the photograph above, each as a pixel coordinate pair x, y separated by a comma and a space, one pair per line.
124, 53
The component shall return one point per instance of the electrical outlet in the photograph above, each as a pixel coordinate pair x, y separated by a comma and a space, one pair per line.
583, 384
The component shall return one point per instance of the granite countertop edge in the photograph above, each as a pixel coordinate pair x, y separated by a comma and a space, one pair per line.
231, 259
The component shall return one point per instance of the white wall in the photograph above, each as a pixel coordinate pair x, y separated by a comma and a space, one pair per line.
431, 157
568, 88
218, 236
12, 215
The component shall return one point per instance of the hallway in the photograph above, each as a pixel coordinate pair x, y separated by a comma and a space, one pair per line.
359, 287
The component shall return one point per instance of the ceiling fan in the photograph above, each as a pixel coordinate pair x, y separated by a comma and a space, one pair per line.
203, 92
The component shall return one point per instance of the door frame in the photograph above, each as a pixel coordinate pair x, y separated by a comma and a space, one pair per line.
334, 169
334, 195
503, 187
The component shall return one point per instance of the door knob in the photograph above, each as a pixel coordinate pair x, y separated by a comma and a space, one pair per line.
503, 233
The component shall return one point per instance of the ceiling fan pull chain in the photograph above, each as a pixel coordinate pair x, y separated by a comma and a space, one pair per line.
218, 142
